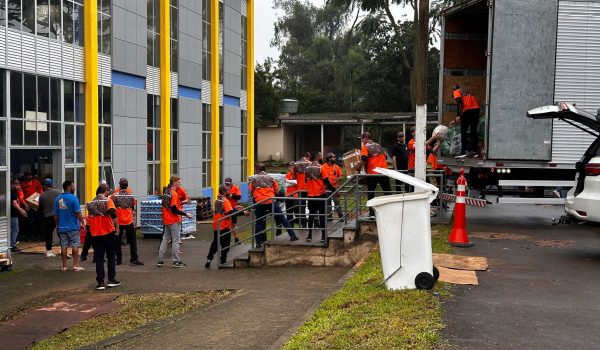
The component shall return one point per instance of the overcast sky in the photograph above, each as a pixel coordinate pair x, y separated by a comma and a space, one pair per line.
265, 18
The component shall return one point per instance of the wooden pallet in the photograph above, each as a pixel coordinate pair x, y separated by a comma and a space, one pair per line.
4, 262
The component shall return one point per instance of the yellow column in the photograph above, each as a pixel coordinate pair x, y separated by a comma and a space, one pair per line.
165, 92
214, 90
250, 86
92, 152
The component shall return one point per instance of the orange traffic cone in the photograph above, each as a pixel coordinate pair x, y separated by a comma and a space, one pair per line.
458, 236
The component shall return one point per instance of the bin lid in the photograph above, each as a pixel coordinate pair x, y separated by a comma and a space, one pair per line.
407, 179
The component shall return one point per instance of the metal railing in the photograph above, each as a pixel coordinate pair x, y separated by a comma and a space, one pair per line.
352, 196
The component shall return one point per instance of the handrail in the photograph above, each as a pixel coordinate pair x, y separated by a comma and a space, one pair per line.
352, 202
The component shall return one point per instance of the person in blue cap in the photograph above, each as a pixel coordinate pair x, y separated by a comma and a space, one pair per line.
46, 209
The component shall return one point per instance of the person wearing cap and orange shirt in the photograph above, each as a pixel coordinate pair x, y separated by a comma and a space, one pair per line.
292, 206
263, 187
234, 194
221, 230
374, 156
125, 204
103, 229
410, 147
333, 173
172, 210
468, 108
300, 176
317, 180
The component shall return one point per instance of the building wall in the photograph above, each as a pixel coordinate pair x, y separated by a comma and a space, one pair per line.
232, 48
129, 140
269, 144
129, 39
231, 143
190, 43
190, 144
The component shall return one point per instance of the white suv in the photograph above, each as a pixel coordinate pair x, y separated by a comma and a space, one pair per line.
583, 200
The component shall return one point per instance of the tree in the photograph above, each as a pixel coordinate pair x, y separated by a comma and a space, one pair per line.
266, 95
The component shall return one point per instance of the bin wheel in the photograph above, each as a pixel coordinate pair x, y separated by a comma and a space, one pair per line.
424, 280
436, 273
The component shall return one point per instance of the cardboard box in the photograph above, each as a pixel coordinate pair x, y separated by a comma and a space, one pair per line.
351, 160
33, 201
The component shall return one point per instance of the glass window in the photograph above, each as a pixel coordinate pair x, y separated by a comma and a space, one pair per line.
69, 101
55, 99
2, 13
68, 14
174, 36
221, 41
2, 94
80, 185
69, 143
16, 95
28, 16
106, 141
16, 132
29, 85
43, 17
78, 24
79, 102
2, 144
14, 14
206, 42
153, 48
43, 98
55, 134
106, 103
79, 143
243, 53
55, 21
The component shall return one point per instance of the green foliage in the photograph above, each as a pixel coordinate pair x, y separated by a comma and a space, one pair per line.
339, 58
363, 314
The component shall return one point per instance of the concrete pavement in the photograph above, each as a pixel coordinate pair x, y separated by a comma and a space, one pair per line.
269, 302
533, 296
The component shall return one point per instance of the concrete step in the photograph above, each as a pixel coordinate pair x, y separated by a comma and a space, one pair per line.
241, 261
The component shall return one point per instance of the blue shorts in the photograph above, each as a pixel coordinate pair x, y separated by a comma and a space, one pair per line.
70, 238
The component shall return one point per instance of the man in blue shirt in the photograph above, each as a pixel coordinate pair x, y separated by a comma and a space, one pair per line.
68, 221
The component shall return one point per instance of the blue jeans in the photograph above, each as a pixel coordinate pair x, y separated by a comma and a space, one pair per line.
14, 231
261, 222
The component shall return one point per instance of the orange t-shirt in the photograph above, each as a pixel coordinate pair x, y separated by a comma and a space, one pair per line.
432, 162
290, 188
182, 194
234, 191
168, 217
332, 172
316, 187
263, 193
301, 181
411, 154
124, 215
101, 225
221, 212
376, 161
470, 102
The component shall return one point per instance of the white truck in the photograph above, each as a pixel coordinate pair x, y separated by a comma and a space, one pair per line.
514, 56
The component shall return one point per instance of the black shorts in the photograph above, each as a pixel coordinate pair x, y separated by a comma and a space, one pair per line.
234, 219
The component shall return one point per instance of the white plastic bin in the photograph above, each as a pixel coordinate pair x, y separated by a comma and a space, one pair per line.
404, 230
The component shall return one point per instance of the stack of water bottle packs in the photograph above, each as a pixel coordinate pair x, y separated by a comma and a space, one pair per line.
280, 179
189, 225
151, 216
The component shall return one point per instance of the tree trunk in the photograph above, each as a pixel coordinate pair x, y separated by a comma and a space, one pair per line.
421, 88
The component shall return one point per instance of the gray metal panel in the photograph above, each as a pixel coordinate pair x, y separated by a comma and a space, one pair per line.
523, 49
190, 143
577, 74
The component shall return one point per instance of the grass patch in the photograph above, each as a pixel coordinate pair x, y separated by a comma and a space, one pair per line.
364, 315
136, 310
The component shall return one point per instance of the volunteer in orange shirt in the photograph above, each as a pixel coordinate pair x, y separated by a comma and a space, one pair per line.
234, 194
292, 205
410, 147
316, 183
374, 156
172, 210
221, 230
333, 173
125, 204
183, 197
469, 118
263, 187
300, 176
31, 185
103, 227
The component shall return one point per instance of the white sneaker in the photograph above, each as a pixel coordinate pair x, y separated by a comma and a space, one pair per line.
191, 237
49, 254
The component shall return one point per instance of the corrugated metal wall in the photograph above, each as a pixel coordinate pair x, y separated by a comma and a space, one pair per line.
577, 74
